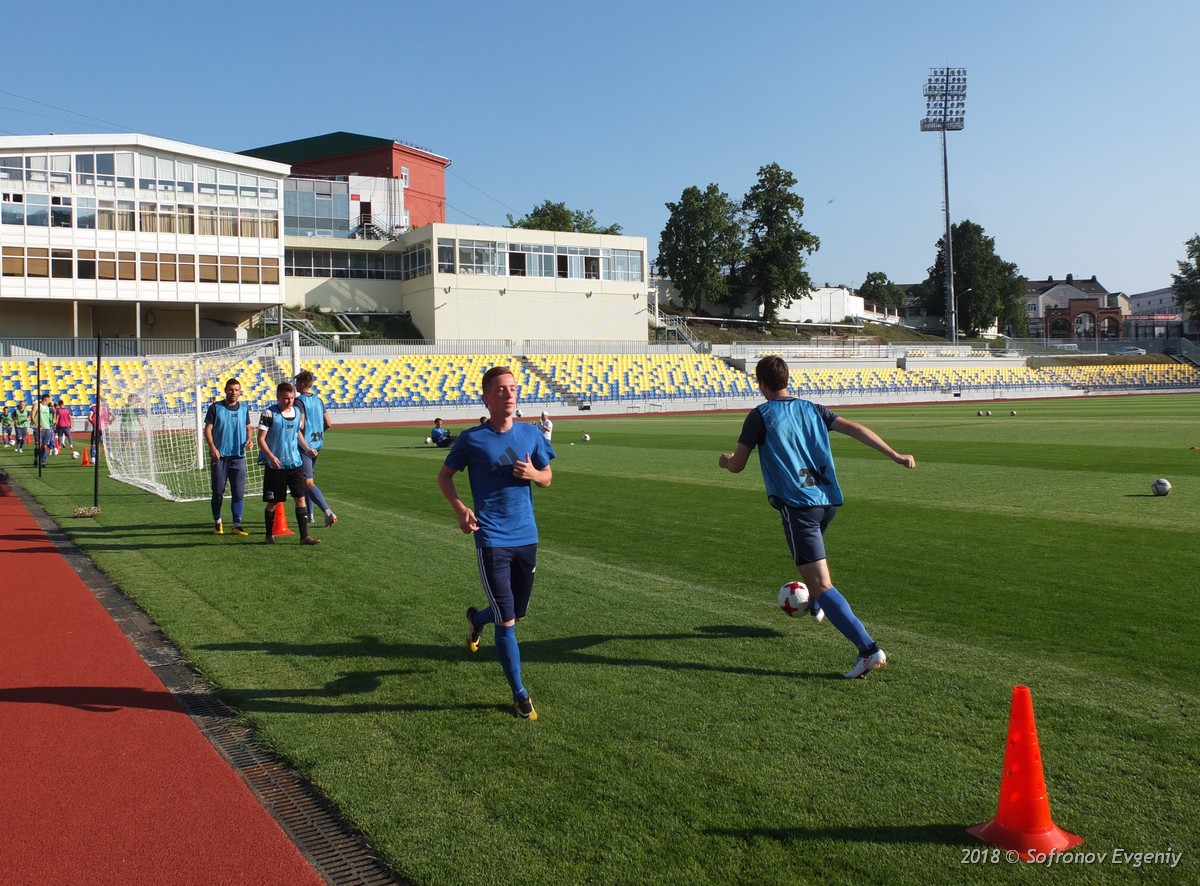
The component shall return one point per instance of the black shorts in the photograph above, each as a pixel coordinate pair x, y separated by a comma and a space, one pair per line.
278, 482
805, 531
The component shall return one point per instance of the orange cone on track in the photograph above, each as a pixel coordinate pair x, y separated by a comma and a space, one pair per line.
1022, 821
280, 527
87, 460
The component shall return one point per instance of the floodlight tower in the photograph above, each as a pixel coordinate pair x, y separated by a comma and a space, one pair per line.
945, 106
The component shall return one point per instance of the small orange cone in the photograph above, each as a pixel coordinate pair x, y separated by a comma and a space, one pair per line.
87, 461
29, 433
280, 527
1022, 821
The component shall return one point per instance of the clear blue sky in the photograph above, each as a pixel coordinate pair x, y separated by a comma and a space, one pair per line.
1079, 153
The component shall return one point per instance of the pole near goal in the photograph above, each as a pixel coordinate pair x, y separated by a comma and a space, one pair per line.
200, 413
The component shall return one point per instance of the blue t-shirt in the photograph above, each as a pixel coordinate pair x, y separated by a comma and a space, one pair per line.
314, 419
229, 428
282, 437
792, 436
503, 505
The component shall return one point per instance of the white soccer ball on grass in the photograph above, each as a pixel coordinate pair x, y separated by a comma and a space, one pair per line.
74, 454
587, 438
1161, 486
428, 440
793, 598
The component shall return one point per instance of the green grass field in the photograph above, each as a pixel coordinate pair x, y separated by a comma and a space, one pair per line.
689, 732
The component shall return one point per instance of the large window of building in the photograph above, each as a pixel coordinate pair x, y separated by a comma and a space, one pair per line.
481, 257
90, 264
539, 260
61, 190
316, 208
356, 264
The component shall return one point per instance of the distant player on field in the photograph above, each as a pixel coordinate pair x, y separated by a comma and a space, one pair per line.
792, 436
228, 431
502, 459
280, 437
546, 427
316, 423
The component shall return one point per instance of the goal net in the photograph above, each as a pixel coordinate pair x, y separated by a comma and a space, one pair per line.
154, 437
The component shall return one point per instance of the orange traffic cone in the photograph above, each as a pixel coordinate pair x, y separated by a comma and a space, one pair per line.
280, 527
1022, 821
87, 461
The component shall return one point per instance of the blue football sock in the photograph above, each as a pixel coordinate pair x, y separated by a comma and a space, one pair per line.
239, 506
316, 498
842, 617
483, 617
510, 659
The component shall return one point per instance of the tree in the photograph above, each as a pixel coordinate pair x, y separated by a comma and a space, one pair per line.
1187, 281
775, 269
557, 217
700, 246
987, 288
877, 289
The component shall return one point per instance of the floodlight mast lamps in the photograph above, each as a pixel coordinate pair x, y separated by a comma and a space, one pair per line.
945, 106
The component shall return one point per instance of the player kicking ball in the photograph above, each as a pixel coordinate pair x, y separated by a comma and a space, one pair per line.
792, 438
503, 460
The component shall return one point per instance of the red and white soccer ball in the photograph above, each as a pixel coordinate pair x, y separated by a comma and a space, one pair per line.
793, 598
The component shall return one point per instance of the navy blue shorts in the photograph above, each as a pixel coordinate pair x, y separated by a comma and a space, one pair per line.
805, 531
507, 575
308, 463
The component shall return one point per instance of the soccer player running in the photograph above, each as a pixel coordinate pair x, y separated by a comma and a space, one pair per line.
502, 458
228, 431
316, 423
792, 436
280, 439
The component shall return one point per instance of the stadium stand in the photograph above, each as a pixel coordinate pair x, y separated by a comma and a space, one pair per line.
428, 381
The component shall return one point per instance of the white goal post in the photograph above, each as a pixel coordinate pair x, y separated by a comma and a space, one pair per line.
156, 408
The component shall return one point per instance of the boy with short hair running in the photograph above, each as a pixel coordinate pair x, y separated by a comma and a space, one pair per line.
503, 459
792, 437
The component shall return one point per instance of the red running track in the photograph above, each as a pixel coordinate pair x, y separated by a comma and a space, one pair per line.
103, 777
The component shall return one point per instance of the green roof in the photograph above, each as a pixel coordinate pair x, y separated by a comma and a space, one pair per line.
334, 144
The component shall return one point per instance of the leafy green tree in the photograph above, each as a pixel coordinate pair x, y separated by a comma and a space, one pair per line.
701, 245
775, 268
877, 289
550, 216
1187, 281
987, 288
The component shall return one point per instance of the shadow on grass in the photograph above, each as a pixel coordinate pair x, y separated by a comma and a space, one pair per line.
944, 834
581, 649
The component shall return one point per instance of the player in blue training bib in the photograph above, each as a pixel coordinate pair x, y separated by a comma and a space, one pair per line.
503, 460
227, 430
316, 423
280, 435
792, 438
